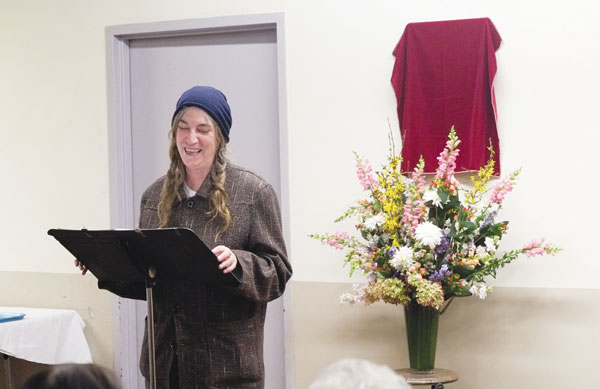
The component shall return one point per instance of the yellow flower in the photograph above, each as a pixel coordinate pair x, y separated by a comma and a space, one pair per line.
480, 180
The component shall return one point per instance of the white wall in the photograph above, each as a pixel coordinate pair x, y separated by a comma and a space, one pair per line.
53, 125
546, 92
54, 140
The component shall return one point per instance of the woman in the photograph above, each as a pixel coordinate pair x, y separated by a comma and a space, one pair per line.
209, 336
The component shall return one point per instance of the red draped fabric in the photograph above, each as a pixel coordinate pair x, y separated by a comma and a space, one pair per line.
443, 76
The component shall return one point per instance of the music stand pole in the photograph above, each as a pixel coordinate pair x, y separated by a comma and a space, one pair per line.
150, 283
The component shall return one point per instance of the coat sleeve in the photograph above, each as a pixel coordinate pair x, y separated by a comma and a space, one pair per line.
264, 261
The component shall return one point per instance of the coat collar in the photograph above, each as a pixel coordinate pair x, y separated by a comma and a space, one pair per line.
204, 190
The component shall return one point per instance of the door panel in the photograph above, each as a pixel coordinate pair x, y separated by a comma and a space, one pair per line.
244, 66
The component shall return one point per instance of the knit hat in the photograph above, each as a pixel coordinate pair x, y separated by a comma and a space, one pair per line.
213, 101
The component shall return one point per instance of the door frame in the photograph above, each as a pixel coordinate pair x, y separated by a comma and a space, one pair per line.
122, 203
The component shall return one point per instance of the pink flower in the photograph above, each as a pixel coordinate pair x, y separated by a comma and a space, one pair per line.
365, 175
444, 174
413, 209
418, 177
535, 247
337, 240
447, 161
412, 214
502, 188
454, 184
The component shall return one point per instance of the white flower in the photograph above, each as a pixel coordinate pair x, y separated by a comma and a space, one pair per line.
490, 244
356, 297
372, 222
480, 290
481, 251
432, 195
371, 277
429, 234
403, 258
348, 298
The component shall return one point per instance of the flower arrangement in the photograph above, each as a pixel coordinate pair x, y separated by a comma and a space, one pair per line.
427, 243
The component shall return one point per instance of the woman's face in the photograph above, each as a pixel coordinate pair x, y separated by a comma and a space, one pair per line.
196, 140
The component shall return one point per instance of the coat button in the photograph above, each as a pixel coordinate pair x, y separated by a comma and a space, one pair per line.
172, 344
190, 203
175, 308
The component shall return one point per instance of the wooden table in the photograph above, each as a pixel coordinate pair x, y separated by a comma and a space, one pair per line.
436, 378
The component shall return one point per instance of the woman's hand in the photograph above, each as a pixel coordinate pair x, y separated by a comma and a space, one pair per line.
81, 267
226, 257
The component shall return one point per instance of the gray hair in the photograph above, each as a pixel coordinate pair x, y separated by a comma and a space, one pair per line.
352, 373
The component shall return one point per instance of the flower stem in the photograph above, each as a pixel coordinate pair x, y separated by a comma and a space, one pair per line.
447, 305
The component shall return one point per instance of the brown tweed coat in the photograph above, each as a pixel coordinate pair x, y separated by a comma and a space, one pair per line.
217, 332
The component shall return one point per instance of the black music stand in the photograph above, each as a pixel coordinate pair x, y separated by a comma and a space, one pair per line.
127, 261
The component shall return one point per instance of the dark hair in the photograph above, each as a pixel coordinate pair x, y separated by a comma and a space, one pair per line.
72, 376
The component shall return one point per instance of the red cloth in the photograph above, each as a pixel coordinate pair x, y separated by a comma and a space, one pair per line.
443, 76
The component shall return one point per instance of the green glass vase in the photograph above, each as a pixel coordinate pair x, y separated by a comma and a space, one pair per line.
421, 331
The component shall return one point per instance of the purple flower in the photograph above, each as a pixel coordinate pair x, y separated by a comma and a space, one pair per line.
392, 251
489, 219
439, 275
443, 246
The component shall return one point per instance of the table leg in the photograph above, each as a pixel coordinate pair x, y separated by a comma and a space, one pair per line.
9, 378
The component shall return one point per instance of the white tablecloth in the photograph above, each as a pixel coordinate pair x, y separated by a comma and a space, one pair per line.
49, 336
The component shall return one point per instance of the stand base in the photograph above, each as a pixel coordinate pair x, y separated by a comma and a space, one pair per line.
436, 377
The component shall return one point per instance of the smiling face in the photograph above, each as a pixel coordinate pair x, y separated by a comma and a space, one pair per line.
196, 141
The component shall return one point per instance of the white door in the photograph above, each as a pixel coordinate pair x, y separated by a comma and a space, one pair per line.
242, 64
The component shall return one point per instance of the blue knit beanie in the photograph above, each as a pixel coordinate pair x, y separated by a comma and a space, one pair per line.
213, 101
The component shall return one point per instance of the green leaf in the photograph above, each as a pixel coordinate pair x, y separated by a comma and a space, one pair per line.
493, 230
462, 291
468, 224
443, 195
454, 203
463, 271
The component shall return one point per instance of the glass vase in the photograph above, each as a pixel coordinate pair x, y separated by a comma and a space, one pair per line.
421, 332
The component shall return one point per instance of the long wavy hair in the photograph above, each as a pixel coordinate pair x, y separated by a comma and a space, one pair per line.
169, 195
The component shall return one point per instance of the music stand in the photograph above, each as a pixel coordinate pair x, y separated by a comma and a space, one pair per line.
126, 261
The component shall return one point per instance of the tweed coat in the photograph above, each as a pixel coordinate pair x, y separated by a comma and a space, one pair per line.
217, 332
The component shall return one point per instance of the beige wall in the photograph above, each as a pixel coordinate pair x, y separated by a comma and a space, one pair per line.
60, 291
65, 291
54, 157
518, 338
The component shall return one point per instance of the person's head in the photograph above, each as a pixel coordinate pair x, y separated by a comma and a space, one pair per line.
199, 128
352, 373
72, 376
196, 140
199, 134
210, 100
